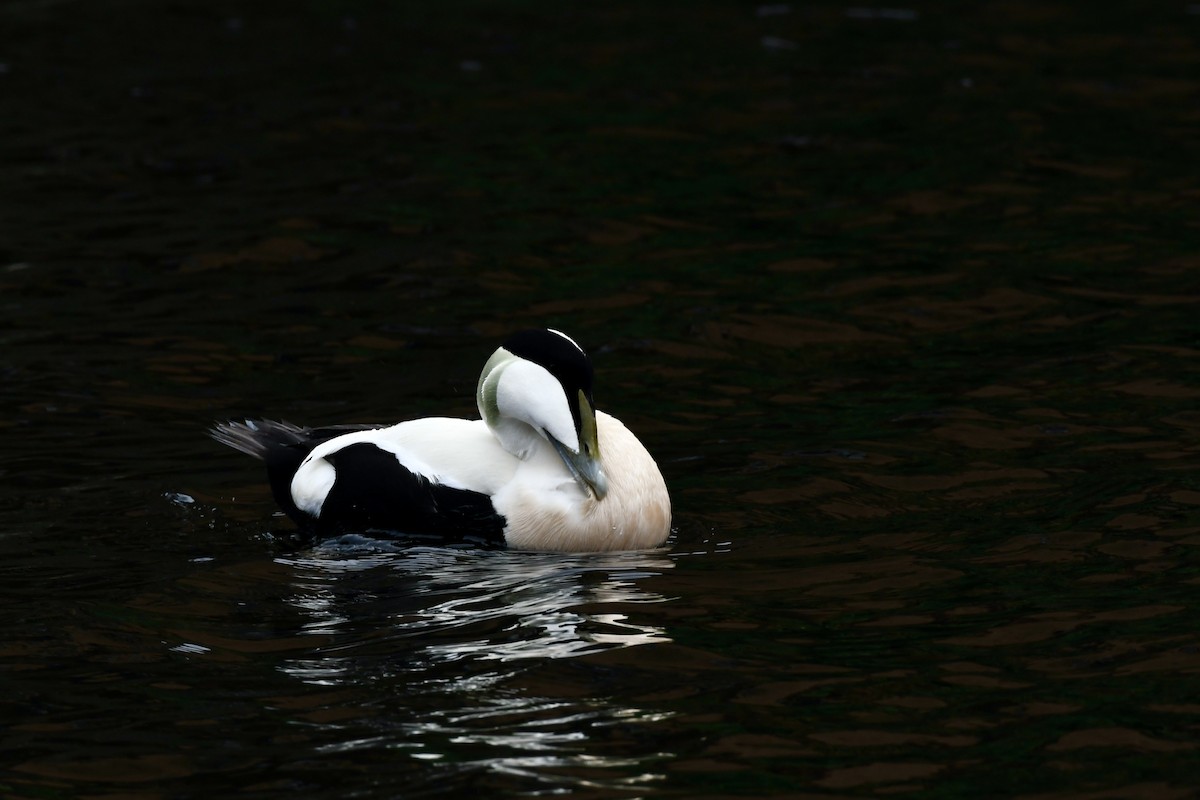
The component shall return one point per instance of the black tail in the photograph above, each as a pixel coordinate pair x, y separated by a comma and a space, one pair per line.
283, 446
259, 437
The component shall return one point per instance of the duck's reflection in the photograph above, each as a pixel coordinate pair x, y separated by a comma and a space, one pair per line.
459, 645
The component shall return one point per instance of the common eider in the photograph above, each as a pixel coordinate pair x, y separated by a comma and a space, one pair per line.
542, 469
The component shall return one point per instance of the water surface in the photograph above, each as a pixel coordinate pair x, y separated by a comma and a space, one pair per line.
902, 299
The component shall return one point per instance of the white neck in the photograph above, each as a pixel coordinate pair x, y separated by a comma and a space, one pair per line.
522, 403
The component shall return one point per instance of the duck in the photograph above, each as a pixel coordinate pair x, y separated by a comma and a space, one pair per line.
541, 469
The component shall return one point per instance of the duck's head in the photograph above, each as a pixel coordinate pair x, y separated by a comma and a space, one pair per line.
538, 386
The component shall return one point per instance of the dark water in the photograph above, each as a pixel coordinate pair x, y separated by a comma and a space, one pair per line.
904, 300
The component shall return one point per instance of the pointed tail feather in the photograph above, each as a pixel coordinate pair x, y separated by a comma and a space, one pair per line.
257, 437
283, 446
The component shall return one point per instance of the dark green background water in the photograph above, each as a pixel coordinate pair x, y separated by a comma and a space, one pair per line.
903, 299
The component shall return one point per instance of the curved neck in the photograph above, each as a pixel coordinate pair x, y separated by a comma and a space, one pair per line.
515, 436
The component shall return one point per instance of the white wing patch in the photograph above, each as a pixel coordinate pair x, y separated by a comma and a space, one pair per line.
459, 453
311, 485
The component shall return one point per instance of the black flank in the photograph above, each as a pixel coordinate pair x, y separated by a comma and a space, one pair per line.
374, 492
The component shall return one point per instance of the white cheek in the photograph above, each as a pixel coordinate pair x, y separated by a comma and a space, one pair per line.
529, 393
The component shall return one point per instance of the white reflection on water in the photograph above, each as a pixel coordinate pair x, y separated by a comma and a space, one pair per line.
451, 642
474, 604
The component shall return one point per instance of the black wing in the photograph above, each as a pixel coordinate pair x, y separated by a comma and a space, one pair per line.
372, 490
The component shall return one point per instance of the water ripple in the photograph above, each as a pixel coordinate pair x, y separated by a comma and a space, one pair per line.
461, 604
464, 637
